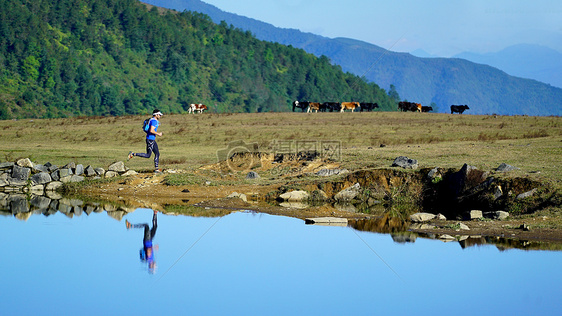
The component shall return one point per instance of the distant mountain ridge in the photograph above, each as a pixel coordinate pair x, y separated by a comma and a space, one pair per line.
524, 60
443, 81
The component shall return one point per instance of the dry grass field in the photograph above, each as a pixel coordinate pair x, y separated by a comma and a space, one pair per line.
375, 139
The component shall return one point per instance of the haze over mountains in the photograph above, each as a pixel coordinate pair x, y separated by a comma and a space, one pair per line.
441, 81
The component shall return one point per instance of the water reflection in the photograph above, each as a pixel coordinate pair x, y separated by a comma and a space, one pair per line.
23, 206
147, 251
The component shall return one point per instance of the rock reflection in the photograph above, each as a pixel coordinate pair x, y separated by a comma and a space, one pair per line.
383, 224
22, 206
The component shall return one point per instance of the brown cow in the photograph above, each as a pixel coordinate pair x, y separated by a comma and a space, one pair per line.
349, 106
313, 106
197, 107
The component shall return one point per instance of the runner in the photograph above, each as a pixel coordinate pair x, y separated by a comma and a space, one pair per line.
151, 145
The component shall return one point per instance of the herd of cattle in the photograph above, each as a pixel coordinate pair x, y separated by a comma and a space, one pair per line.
363, 106
343, 106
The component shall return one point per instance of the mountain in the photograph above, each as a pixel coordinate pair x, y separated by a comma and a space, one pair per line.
62, 58
443, 81
524, 60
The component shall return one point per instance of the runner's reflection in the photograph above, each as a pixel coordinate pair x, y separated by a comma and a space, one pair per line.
147, 251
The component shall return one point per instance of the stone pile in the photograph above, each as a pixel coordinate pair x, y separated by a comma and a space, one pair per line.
25, 176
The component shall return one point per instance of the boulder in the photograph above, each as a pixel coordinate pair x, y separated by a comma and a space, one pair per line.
79, 170
117, 167
129, 172
526, 194
349, 193
405, 162
40, 168
421, 217
41, 178
474, 214
505, 167
25, 162
294, 196
90, 171
111, 174
21, 173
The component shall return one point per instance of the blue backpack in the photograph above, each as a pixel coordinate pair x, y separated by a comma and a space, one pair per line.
146, 125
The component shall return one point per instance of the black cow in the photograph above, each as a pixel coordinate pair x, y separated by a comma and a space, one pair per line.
409, 106
330, 106
368, 106
459, 108
301, 105
427, 109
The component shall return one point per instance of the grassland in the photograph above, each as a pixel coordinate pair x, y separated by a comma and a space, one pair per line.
533, 144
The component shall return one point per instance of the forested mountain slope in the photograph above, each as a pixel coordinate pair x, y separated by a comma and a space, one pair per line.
113, 57
443, 81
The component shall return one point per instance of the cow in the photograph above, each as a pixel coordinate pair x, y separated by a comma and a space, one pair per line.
197, 107
313, 106
349, 106
368, 106
300, 105
409, 106
331, 106
427, 109
459, 108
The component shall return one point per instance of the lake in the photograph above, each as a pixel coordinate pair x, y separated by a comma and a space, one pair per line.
73, 259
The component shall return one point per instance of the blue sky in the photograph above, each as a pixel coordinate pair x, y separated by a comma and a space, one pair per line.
439, 27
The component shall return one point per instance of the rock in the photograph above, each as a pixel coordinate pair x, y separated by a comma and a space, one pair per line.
294, 196
434, 173
252, 175
90, 171
111, 174
440, 217
117, 167
421, 217
76, 178
349, 193
64, 172
100, 171
6, 165
466, 178
330, 172
463, 226
297, 205
405, 163
526, 194
129, 172
41, 178
505, 167
40, 168
25, 162
79, 170
474, 214
53, 186
241, 196
20, 173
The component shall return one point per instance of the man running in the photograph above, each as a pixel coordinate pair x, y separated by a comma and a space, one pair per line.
151, 145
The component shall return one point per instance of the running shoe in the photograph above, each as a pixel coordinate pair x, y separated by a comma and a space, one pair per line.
130, 156
128, 224
158, 171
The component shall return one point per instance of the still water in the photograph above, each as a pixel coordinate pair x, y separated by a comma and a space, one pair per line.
246, 263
